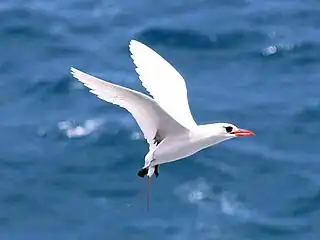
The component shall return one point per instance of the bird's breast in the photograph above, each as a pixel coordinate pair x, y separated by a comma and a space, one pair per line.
178, 148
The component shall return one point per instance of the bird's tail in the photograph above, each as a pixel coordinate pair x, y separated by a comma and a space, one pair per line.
141, 173
149, 190
148, 171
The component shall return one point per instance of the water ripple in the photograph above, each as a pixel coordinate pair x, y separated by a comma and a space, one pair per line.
192, 39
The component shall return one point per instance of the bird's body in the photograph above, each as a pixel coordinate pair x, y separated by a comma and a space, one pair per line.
165, 119
182, 145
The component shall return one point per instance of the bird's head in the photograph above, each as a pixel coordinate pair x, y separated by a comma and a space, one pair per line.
229, 130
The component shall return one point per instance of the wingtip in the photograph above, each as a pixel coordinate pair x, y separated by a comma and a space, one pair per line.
74, 71
136, 46
132, 41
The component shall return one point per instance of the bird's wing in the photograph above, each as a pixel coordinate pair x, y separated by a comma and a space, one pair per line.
163, 82
154, 122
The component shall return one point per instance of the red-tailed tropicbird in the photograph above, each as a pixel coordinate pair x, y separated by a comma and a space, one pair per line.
165, 119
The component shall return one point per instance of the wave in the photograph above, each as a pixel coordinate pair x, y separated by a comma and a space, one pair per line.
192, 39
61, 85
308, 114
200, 193
304, 205
303, 53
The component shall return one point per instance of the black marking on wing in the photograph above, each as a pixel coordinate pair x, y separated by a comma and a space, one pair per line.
157, 138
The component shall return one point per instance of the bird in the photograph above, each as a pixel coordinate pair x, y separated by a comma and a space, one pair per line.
164, 114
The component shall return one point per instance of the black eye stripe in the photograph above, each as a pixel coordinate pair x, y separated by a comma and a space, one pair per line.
229, 129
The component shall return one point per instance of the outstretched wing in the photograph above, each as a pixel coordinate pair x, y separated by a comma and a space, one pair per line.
151, 118
163, 82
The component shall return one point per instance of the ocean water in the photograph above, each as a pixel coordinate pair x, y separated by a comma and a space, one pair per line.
68, 160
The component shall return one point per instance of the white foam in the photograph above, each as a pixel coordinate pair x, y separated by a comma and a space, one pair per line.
270, 50
194, 191
136, 136
73, 131
228, 204
274, 49
232, 207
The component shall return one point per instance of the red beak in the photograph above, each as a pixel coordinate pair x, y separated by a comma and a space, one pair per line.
243, 132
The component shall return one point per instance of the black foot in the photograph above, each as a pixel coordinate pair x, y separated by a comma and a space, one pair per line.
156, 170
142, 172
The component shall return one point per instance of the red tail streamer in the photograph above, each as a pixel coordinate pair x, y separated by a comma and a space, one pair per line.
149, 189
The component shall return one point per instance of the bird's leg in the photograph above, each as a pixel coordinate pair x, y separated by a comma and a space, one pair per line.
156, 170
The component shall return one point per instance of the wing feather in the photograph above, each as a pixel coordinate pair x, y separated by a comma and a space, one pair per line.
163, 82
150, 117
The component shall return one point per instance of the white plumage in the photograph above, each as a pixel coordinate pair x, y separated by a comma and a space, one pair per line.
148, 114
163, 82
165, 120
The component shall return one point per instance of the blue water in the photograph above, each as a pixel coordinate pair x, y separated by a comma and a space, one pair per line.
68, 160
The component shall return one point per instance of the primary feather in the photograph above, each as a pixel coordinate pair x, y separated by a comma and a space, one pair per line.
163, 82
151, 118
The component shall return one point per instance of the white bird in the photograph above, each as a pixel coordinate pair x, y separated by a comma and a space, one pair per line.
165, 119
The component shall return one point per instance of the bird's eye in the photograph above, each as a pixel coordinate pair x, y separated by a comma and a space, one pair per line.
229, 129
